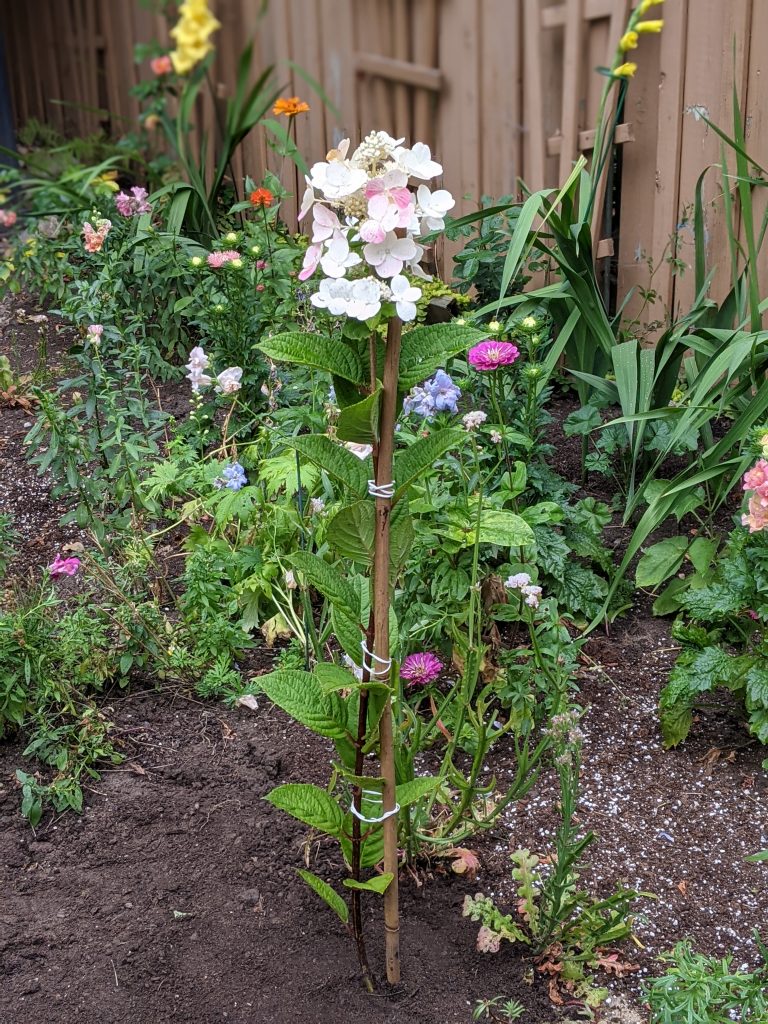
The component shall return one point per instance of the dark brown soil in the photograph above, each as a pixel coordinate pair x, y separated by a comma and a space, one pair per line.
174, 897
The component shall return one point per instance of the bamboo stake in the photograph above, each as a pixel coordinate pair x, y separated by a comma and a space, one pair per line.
381, 599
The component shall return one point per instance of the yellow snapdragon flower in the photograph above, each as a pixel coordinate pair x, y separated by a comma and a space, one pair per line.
628, 41
646, 5
649, 26
192, 34
626, 70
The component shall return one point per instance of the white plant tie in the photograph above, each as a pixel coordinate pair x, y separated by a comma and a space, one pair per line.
375, 673
381, 490
376, 795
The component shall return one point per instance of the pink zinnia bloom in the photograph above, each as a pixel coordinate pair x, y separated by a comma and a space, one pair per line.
422, 668
756, 479
63, 566
490, 355
218, 259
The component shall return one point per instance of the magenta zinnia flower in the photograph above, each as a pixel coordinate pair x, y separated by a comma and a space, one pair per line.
490, 355
422, 668
63, 566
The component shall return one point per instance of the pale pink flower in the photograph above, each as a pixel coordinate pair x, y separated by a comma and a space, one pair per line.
474, 419
432, 207
387, 257
490, 355
135, 204
95, 330
421, 669
95, 236
7, 218
63, 566
221, 256
228, 381
417, 161
757, 516
390, 206
311, 261
338, 257
324, 223
198, 361
756, 478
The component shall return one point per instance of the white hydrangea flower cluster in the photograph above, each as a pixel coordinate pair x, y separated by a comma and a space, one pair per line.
366, 217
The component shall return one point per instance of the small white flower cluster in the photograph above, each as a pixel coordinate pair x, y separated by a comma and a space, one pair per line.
227, 382
474, 419
522, 581
367, 216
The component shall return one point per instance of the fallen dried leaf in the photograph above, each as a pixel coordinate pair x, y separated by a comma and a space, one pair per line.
248, 701
682, 886
464, 862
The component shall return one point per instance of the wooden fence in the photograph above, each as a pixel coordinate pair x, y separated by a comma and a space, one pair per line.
501, 90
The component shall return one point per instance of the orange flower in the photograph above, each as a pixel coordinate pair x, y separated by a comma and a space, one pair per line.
261, 197
290, 106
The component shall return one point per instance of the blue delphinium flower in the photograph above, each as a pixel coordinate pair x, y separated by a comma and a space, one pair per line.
232, 477
439, 394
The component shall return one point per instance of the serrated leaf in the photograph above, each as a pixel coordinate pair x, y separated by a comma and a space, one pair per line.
410, 792
309, 804
341, 465
422, 456
427, 348
347, 631
350, 531
661, 561
314, 350
378, 884
327, 580
326, 893
360, 422
300, 695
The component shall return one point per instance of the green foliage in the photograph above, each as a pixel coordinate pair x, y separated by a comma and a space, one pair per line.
723, 637
704, 990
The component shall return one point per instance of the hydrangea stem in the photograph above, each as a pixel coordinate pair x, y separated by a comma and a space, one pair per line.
381, 602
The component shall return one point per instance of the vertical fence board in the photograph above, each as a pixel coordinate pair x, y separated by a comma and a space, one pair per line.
500, 85
709, 84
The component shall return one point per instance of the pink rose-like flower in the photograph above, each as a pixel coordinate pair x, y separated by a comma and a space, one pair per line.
490, 355
422, 668
7, 218
756, 479
63, 566
218, 259
161, 65
135, 204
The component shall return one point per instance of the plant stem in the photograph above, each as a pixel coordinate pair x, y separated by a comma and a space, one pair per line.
381, 601
357, 798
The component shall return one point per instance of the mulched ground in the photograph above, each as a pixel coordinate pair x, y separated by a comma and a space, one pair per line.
174, 896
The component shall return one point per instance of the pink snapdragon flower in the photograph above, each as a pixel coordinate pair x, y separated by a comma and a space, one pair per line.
63, 566
490, 355
228, 381
421, 669
198, 361
135, 204
756, 479
220, 257
7, 218
757, 516
96, 236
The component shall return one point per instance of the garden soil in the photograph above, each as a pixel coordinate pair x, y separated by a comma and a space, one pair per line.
174, 896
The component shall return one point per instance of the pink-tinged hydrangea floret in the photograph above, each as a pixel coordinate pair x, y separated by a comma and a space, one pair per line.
490, 355
421, 669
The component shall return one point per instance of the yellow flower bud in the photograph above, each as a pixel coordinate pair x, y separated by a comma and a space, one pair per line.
494, 326
236, 263
628, 41
625, 70
649, 26
196, 261
230, 237
646, 5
